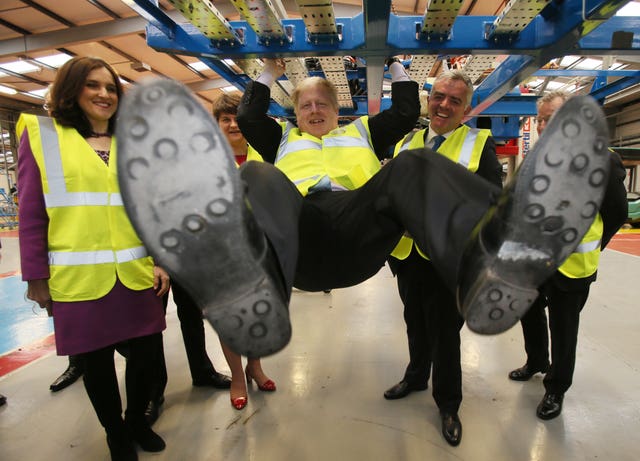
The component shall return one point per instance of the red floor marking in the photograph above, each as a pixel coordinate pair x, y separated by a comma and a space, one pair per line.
24, 355
626, 242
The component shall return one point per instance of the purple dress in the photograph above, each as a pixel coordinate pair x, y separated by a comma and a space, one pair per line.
81, 326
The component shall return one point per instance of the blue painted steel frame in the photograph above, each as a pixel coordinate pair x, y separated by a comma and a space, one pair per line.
376, 34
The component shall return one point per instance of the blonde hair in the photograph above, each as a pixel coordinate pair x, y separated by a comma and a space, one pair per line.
312, 82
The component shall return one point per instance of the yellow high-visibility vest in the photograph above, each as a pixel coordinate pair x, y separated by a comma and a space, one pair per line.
583, 262
90, 238
464, 146
253, 154
344, 156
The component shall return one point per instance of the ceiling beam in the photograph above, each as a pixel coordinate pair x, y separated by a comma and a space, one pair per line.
79, 34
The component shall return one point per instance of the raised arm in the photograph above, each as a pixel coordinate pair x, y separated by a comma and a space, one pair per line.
262, 132
389, 126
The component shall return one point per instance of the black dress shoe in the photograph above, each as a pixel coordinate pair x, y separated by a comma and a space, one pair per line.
524, 373
3, 400
121, 446
67, 378
166, 132
215, 379
451, 428
401, 390
152, 412
142, 433
538, 221
550, 406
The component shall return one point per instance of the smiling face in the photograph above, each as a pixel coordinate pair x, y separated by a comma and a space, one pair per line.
448, 104
229, 127
316, 111
99, 98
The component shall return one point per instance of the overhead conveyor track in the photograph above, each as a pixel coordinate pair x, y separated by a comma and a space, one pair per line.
530, 32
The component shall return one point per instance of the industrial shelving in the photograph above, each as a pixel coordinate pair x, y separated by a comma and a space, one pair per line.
529, 32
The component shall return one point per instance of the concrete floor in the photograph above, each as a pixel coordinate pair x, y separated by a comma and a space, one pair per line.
347, 348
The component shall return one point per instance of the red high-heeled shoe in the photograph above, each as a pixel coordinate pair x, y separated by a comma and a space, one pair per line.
267, 386
239, 402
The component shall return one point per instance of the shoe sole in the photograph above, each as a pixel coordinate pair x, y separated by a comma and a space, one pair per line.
181, 189
556, 197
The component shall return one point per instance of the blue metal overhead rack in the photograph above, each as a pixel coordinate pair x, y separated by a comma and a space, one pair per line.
530, 32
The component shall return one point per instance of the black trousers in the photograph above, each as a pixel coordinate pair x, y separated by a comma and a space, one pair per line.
101, 382
193, 336
564, 321
433, 330
336, 239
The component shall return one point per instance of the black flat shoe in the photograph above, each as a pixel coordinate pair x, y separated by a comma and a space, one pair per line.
401, 390
215, 379
3, 400
451, 428
152, 412
539, 220
550, 406
524, 373
67, 378
164, 133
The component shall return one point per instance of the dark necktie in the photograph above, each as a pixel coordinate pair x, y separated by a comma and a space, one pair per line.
437, 141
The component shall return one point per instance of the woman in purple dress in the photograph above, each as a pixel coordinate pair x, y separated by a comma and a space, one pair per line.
80, 256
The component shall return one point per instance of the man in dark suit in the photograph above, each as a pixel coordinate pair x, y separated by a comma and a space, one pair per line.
430, 312
566, 292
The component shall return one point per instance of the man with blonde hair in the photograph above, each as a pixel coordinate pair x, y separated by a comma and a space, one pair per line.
319, 212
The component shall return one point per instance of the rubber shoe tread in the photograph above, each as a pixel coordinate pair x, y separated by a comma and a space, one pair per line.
182, 192
542, 217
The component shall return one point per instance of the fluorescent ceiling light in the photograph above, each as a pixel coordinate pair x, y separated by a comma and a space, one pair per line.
553, 85
199, 66
535, 83
568, 61
630, 9
39, 93
229, 89
7, 90
19, 67
229, 62
54, 60
589, 64
618, 66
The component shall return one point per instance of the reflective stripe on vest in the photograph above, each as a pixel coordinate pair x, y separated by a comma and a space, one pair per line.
586, 247
583, 262
460, 147
58, 195
78, 258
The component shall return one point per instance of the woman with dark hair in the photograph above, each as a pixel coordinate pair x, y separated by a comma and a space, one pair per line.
80, 256
225, 110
